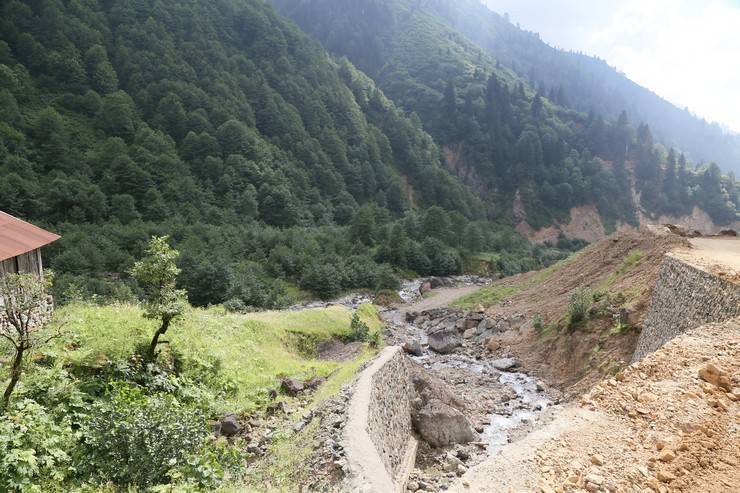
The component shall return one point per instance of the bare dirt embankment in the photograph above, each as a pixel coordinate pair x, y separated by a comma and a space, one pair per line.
622, 269
670, 422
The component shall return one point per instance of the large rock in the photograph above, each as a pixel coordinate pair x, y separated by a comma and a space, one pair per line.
228, 426
292, 386
440, 425
413, 347
505, 364
444, 339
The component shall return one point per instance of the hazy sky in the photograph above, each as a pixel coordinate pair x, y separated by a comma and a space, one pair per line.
687, 51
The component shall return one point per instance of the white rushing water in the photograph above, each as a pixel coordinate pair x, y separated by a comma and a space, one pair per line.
530, 402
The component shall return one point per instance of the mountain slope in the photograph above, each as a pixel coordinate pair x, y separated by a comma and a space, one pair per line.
221, 124
513, 144
588, 83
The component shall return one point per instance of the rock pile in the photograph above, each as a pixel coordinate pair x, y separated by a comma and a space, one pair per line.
437, 414
671, 423
448, 328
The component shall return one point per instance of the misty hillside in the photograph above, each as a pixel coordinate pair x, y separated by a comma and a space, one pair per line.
588, 83
509, 140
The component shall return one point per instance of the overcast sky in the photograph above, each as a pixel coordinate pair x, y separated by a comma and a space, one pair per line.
687, 51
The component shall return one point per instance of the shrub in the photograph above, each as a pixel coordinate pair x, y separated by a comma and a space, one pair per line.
134, 439
537, 321
359, 331
235, 305
33, 448
580, 302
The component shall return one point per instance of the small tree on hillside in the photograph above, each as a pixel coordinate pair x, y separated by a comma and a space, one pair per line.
157, 273
23, 320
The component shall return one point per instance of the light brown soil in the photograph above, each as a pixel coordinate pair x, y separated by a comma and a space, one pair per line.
719, 255
656, 427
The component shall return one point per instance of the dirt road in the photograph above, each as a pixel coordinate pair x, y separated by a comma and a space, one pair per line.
724, 251
438, 298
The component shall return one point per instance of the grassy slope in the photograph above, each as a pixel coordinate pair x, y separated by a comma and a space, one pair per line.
252, 350
491, 295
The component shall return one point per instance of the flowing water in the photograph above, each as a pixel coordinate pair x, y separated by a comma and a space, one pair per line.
506, 419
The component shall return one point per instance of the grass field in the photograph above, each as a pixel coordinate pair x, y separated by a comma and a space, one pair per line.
249, 352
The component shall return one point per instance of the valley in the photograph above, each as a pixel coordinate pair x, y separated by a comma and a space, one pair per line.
367, 246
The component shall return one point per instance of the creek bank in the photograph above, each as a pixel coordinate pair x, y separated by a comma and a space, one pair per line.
498, 399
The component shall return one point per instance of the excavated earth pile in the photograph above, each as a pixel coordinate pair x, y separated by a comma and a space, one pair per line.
669, 423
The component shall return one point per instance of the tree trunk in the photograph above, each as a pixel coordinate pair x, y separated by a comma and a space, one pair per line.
15, 375
162, 329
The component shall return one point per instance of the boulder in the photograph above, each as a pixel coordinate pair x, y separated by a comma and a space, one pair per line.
292, 386
469, 333
484, 325
444, 339
440, 425
413, 347
505, 364
314, 383
425, 288
228, 426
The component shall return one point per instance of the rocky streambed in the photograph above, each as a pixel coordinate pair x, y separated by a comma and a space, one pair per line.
500, 400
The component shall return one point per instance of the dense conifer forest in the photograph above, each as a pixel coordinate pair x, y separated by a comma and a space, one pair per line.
221, 124
506, 132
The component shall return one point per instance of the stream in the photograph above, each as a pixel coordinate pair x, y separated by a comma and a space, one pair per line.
502, 404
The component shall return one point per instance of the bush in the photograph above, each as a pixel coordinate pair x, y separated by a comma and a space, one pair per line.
134, 439
236, 305
359, 331
33, 448
580, 302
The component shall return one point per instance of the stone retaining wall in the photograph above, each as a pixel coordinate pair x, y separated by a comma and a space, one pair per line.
684, 297
378, 442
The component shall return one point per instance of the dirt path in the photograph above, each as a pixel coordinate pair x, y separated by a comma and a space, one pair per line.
440, 297
723, 251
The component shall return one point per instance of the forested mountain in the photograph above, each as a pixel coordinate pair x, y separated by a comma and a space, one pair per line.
499, 132
223, 125
587, 83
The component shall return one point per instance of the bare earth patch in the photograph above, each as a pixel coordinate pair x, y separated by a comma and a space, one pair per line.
657, 426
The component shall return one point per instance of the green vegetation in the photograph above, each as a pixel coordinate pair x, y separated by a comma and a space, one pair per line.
629, 262
578, 306
157, 274
23, 322
487, 296
513, 131
269, 165
491, 295
139, 425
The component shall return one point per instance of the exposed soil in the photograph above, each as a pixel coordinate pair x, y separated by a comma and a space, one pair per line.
719, 255
656, 427
336, 350
626, 265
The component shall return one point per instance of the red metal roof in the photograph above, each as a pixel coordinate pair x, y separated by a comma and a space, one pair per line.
18, 237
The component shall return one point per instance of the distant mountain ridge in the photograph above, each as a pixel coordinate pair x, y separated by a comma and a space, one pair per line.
503, 134
589, 83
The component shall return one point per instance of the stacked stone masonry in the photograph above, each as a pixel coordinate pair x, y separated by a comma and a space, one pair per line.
684, 297
389, 416
379, 445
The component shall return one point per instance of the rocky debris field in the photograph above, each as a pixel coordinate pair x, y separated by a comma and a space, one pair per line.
668, 423
470, 401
